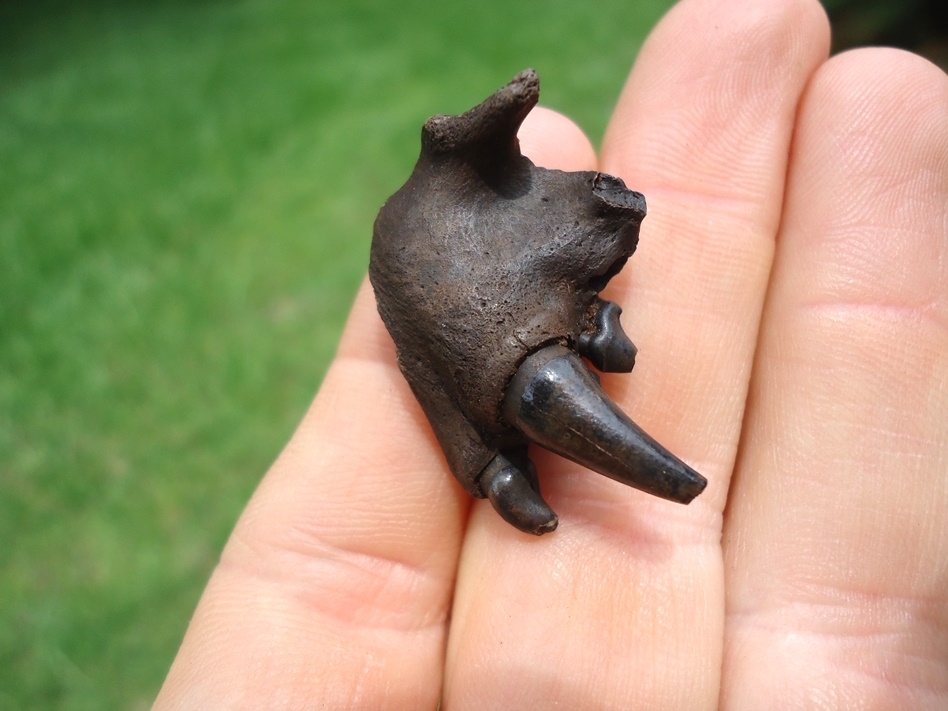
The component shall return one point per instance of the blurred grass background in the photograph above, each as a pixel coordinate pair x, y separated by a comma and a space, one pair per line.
187, 192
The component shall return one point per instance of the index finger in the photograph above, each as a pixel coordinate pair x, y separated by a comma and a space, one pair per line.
336, 584
337, 580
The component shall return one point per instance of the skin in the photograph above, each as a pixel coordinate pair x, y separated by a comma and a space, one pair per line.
790, 303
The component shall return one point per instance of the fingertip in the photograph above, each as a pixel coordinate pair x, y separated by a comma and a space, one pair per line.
551, 140
873, 120
706, 87
886, 87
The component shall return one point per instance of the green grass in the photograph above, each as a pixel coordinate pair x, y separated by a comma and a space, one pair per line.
187, 193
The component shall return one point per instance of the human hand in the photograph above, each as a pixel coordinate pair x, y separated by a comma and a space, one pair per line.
790, 301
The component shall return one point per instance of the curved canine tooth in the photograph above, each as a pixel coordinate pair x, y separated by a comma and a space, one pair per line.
554, 400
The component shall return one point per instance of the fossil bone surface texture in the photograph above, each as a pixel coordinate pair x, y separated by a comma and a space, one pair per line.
487, 271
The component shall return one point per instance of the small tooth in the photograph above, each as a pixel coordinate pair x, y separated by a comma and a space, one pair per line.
554, 400
516, 497
608, 347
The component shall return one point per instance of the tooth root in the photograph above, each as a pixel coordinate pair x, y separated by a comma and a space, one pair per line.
554, 400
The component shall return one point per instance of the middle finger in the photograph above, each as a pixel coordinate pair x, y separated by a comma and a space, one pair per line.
623, 605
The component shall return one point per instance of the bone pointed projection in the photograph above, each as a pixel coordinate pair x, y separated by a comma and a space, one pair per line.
487, 270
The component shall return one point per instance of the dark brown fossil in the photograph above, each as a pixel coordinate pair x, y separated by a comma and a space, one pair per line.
487, 271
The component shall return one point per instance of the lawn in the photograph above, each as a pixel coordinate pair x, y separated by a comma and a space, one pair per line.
187, 192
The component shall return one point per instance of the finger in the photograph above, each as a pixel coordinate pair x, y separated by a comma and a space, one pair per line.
706, 136
622, 607
337, 581
551, 140
836, 543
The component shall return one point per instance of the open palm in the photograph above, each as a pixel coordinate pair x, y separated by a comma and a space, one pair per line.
789, 298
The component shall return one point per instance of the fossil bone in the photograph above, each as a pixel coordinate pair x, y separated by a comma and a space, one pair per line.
486, 271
